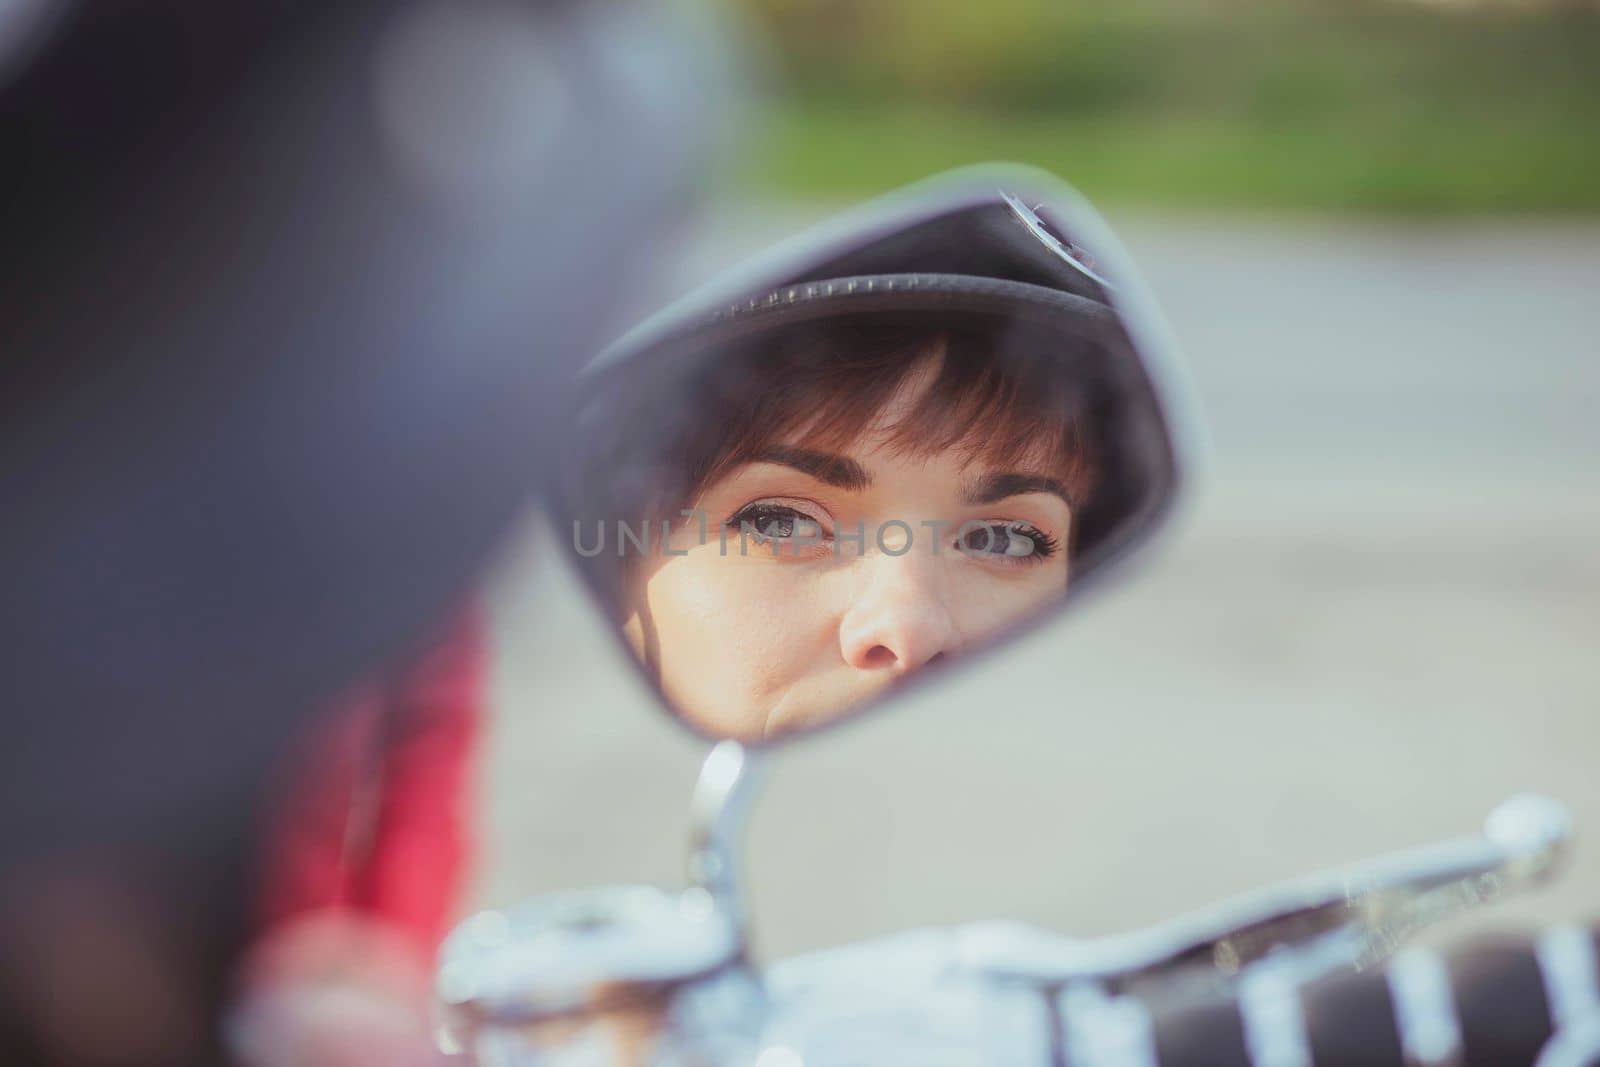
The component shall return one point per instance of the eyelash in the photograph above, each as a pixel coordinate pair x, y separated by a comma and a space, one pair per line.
1044, 545
755, 513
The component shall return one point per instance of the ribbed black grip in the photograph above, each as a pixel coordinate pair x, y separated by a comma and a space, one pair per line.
1500, 1000
1200, 1034
1350, 1022
1492, 1002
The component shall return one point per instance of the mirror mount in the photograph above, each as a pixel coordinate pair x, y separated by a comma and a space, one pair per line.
609, 951
730, 778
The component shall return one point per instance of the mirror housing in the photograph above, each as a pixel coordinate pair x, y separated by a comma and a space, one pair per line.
993, 315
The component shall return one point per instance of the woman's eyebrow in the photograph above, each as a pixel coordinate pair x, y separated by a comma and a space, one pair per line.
841, 472
993, 488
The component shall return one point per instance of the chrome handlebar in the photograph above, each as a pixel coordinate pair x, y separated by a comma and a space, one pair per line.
644, 976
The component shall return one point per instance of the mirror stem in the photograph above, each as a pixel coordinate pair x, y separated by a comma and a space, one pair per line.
722, 799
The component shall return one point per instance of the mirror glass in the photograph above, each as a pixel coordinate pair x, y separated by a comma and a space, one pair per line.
800, 492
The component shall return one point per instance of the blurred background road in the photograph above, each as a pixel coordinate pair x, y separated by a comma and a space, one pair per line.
1372, 225
1379, 618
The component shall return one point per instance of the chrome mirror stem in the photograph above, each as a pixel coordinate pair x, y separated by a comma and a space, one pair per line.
729, 780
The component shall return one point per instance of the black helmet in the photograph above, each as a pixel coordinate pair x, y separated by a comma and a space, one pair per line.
969, 246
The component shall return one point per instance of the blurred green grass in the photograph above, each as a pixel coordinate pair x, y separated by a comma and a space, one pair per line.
1339, 107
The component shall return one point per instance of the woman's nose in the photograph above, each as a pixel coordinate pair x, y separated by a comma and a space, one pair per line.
899, 620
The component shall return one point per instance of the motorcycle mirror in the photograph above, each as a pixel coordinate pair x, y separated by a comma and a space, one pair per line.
883, 448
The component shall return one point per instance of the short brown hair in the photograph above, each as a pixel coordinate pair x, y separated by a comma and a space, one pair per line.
996, 392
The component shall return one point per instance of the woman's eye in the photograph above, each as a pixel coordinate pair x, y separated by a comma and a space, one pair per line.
1008, 540
776, 522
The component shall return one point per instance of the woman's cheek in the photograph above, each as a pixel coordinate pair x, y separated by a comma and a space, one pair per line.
732, 635
756, 609
986, 604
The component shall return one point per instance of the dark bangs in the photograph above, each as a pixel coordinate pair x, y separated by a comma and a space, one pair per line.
998, 393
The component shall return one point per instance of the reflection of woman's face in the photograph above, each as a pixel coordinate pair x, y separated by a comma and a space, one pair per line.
793, 630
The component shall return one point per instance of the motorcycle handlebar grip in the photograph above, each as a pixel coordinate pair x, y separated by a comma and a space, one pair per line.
1351, 1020
1500, 1002
1200, 1034
1347, 1020
1496, 1002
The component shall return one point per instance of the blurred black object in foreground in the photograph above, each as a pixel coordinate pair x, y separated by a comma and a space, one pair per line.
290, 291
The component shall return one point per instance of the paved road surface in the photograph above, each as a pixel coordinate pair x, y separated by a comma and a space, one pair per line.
1382, 615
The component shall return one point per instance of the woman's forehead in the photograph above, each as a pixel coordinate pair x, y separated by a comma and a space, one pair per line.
881, 453
902, 432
